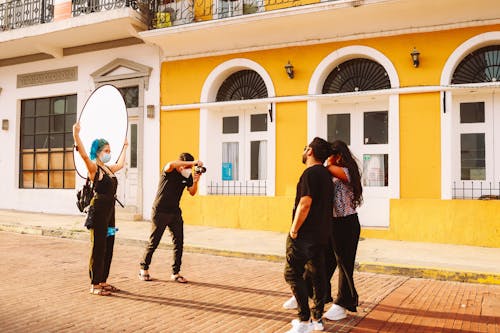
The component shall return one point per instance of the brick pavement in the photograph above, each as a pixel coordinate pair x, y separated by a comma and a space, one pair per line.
44, 288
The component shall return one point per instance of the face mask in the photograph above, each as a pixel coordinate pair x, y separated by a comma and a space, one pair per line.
105, 157
186, 173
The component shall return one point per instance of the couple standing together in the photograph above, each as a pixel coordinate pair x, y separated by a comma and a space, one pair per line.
324, 235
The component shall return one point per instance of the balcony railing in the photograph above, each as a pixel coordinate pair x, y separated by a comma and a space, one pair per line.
21, 13
79, 7
166, 13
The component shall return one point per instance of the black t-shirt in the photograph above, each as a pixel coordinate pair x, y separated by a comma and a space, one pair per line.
316, 182
169, 192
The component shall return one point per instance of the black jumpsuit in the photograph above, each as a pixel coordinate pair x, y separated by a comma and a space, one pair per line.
102, 207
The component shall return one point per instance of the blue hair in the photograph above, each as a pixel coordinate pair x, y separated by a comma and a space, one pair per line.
96, 148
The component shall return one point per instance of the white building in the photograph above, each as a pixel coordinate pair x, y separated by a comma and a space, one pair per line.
47, 72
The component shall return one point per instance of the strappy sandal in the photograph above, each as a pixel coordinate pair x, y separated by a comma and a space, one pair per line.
99, 291
109, 287
178, 278
144, 277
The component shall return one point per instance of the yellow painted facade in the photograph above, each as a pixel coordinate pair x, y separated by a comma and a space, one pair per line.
418, 215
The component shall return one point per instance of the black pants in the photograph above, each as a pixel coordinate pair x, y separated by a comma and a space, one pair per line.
342, 254
103, 211
299, 254
176, 226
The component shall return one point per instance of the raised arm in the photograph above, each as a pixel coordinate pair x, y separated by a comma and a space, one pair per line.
178, 163
121, 160
91, 166
335, 170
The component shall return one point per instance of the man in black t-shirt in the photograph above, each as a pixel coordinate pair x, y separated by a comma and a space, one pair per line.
309, 234
176, 176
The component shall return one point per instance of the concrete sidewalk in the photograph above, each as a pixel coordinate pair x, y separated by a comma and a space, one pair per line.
428, 260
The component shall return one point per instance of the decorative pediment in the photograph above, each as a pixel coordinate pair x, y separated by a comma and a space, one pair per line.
122, 69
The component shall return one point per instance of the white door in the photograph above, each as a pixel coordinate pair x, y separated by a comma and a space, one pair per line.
128, 176
365, 129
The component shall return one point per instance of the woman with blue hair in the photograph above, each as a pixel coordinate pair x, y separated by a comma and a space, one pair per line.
102, 209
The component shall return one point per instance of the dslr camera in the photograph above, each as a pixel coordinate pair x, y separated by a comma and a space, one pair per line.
199, 169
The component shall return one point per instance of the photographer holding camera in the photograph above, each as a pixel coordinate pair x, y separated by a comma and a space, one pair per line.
176, 175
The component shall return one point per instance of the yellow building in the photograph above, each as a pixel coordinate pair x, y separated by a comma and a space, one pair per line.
412, 86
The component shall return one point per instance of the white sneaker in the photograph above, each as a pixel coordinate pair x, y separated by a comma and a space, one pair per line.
291, 303
336, 312
301, 327
318, 325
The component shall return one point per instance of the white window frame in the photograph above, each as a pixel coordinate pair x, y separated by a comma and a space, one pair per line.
374, 195
357, 146
447, 106
492, 160
243, 137
375, 212
211, 121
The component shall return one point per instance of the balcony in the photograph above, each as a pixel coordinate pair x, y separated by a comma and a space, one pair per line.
33, 30
177, 12
197, 28
42, 29
18, 14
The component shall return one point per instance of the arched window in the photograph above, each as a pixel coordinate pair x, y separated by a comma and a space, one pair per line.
482, 65
476, 168
356, 75
364, 126
241, 138
245, 84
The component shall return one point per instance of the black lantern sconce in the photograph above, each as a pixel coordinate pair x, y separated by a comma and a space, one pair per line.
415, 55
289, 70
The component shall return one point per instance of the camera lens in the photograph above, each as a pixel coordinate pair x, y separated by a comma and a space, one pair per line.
200, 169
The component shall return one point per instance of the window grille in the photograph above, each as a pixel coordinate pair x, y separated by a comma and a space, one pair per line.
356, 75
245, 84
482, 65
476, 190
248, 188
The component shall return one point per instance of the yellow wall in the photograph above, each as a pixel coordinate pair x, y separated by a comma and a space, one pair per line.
420, 141
179, 132
291, 137
466, 222
419, 215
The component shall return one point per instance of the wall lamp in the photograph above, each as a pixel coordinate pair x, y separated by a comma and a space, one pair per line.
415, 57
289, 70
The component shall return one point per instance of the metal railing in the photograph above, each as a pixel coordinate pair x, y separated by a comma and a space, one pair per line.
244, 188
157, 13
166, 13
81, 7
476, 190
21, 13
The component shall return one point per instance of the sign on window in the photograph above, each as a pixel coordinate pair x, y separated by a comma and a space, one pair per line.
227, 171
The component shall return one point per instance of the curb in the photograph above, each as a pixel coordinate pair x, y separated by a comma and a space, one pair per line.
430, 273
380, 268
82, 235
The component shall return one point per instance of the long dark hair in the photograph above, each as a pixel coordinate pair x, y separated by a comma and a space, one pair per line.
339, 147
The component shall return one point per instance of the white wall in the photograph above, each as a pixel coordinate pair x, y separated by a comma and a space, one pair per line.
63, 201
